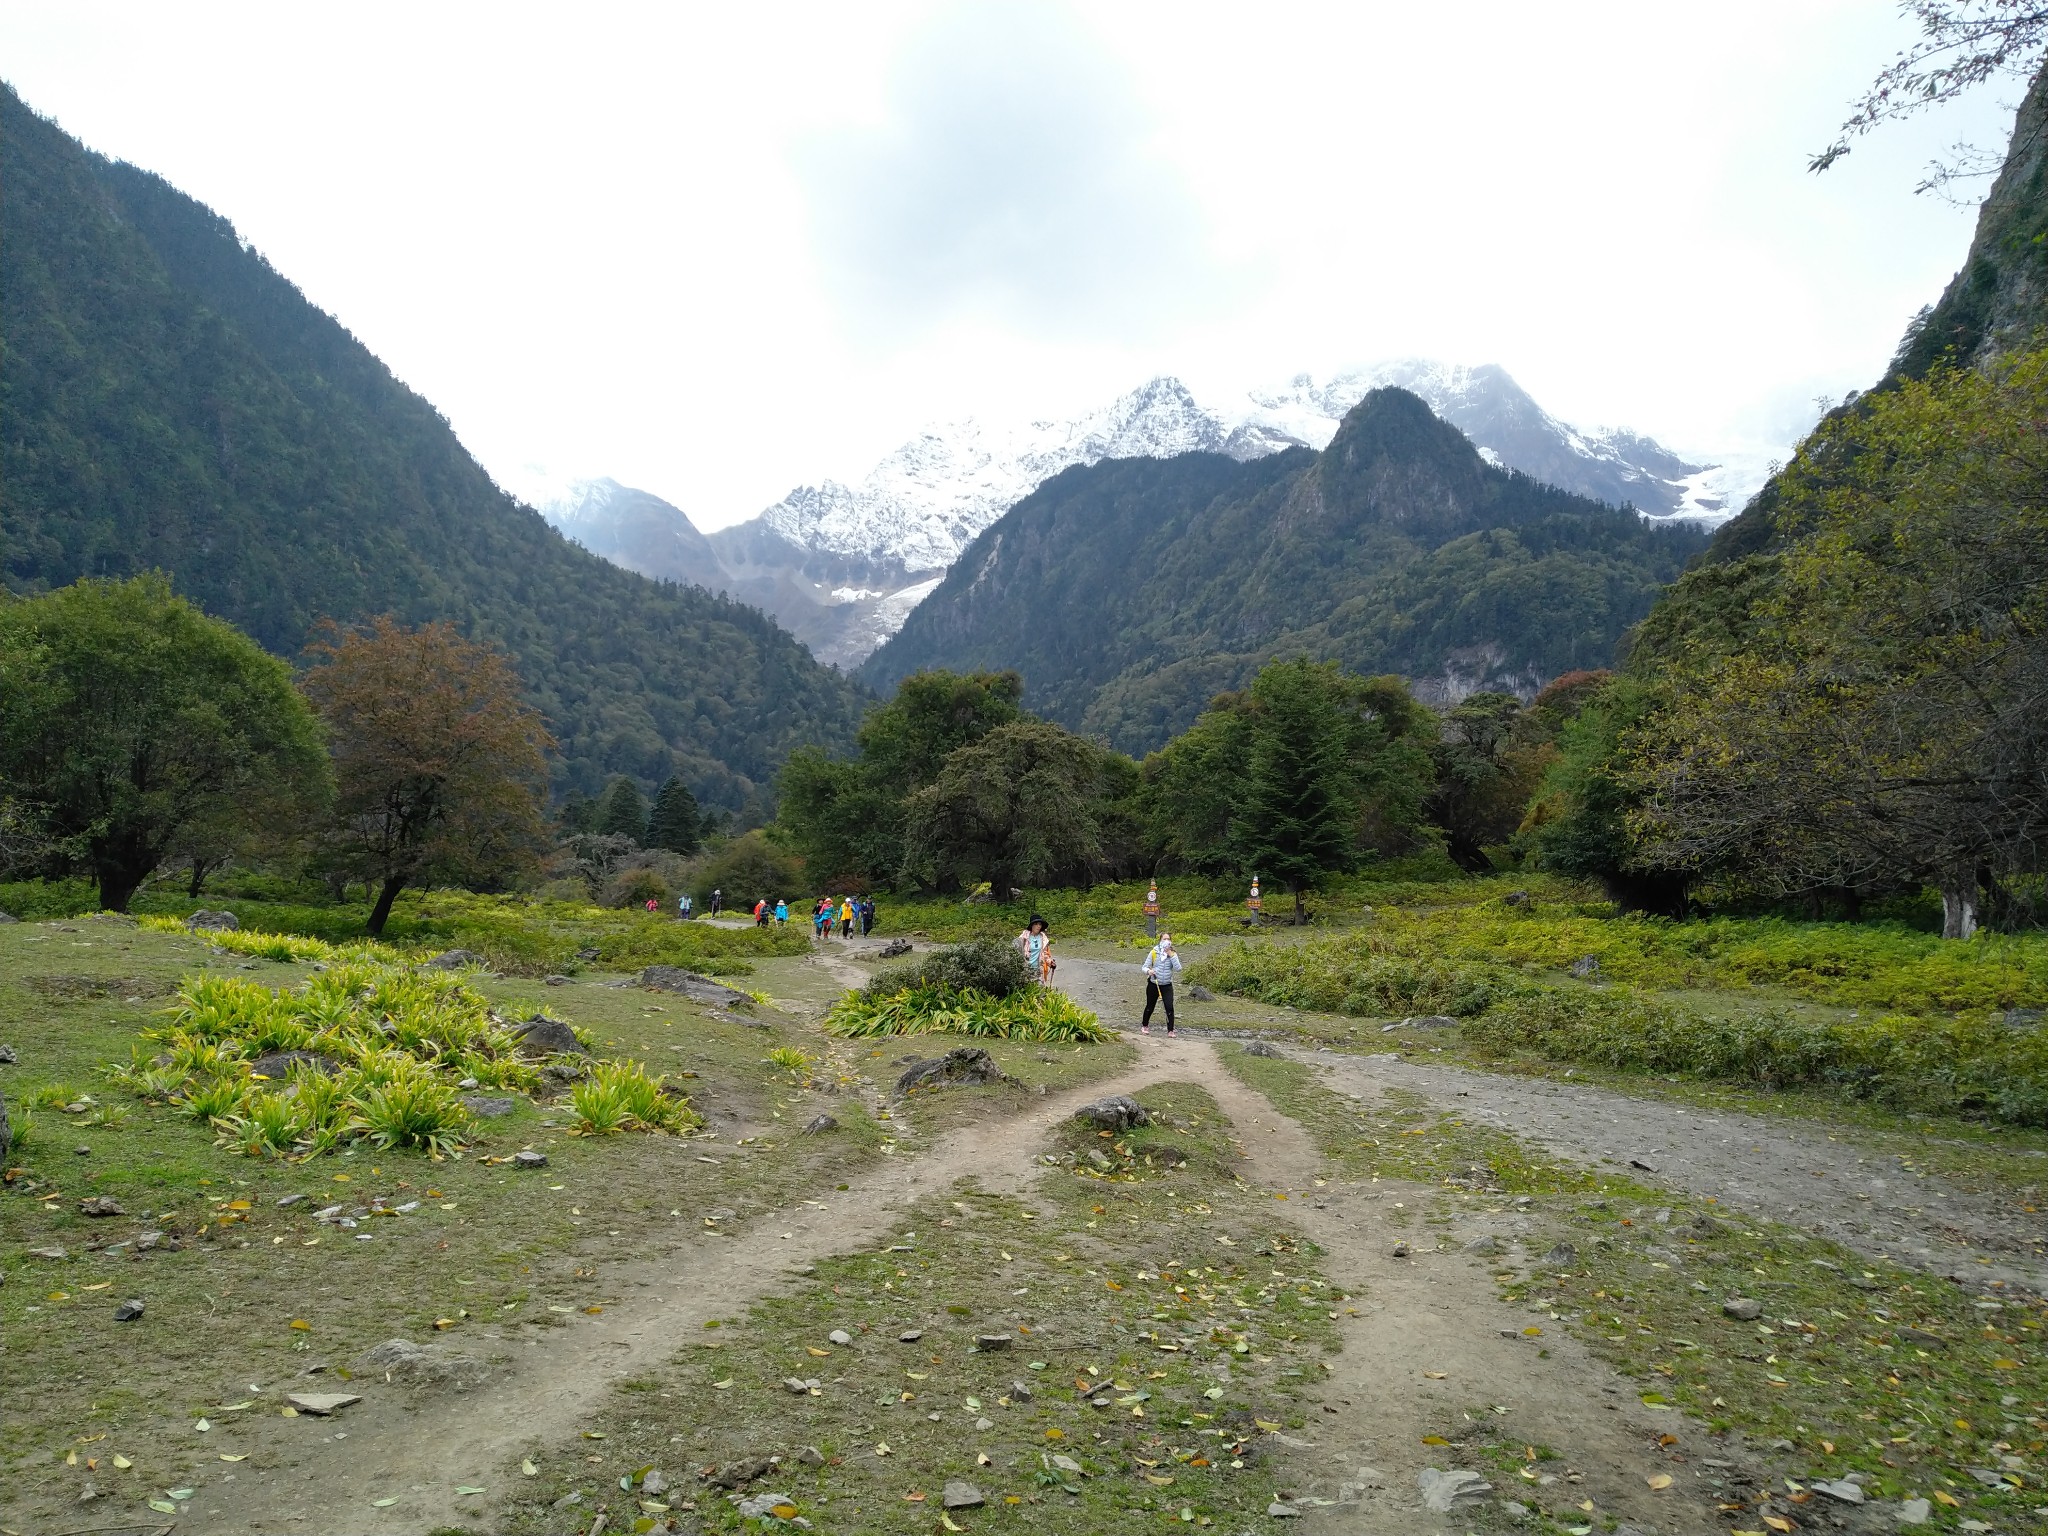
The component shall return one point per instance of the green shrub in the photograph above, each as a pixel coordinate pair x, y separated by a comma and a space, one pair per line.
1355, 975
414, 1110
1972, 1066
1037, 1013
993, 967
620, 1096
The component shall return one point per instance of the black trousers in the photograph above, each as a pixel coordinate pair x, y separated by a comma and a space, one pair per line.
1154, 995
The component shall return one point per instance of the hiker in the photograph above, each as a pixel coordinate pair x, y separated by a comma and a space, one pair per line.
717, 901
1035, 944
821, 918
1161, 966
781, 913
846, 917
867, 916
761, 913
683, 905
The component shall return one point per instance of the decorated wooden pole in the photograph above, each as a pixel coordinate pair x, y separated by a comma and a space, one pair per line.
1152, 910
1252, 901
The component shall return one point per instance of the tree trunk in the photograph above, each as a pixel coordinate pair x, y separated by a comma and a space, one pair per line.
1300, 905
201, 868
381, 913
1958, 904
117, 886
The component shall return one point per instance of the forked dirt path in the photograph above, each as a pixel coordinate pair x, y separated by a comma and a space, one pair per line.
419, 1451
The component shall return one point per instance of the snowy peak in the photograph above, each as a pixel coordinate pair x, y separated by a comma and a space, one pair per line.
632, 528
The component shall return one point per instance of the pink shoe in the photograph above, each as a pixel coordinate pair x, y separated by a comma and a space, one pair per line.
1144, 1029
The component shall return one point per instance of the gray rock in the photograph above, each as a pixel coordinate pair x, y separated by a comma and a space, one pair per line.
212, 922
910, 1335
1066, 1463
1261, 1048
277, 1065
52, 1252
1200, 994
811, 1456
454, 960
963, 1064
1515, 899
1401, 1250
128, 1311
1486, 1243
529, 1159
960, 1495
1743, 1309
993, 1341
796, 1386
1430, 1021
1280, 1510
761, 1506
818, 1125
101, 1205
1563, 1256
1115, 1113
7, 1056
894, 948
1444, 1492
1647, 1167
1843, 1492
1915, 1512
1020, 1392
2023, 1018
1586, 968
421, 1365
839, 1336
654, 1483
545, 1036
321, 1404
6, 918
486, 1107
699, 989
285, 1201
1101, 1159
555, 981
1920, 1338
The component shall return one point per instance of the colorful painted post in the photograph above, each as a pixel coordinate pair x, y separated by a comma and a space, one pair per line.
1252, 901
1152, 910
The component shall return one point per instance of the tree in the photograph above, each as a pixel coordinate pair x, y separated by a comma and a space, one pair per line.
675, 823
128, 718
1888, 719
1485, 768
846, 816
622, 812
1303, 774
440, 765
1021, 805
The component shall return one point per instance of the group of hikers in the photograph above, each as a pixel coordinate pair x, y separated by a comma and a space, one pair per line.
849, 913
1161, 967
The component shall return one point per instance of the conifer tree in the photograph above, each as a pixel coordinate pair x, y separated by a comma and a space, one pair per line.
623, 811
676, 823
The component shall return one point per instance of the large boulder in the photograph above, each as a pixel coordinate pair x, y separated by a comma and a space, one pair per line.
1115, 1113
277, 1065
401, 1360
963, 1064
212, 922
698, 989
543, 1036
453, 960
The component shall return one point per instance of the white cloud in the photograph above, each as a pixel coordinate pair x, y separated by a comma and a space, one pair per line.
716, 253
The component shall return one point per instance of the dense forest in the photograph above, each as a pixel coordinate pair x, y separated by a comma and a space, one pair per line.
171, 402
1130, 592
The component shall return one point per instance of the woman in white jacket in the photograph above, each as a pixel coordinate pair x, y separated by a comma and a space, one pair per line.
1161, 966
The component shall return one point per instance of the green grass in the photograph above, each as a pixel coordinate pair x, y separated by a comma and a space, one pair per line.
1827, 1368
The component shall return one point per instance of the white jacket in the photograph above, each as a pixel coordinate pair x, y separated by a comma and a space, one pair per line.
1162, 967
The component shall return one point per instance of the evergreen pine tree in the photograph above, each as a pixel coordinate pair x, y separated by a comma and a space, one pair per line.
676, 824
623, 810
1300, 807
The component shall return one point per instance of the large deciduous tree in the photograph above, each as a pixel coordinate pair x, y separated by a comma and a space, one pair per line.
130, 720
440, 765
1889, 718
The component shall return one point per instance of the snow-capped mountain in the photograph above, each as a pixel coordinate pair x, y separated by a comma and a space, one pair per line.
841, 566
1507, 426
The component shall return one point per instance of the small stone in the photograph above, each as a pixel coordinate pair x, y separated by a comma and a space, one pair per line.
1443, 1492
796, 1386
101, 1205
893, 948
1401, 1249
1279, 1510
321, 1404
7, 1056
984, 1423
819, 1124
1020, 1391
839, 1336
811, 1456
82, 1151
963, 1496
454, 960
910, 1336
212, 922
1515, 899
1261, 1048
1586, 967
1637, 1162
1843, 1492
529, 1159
1487, 1243
545, 1036
1742, 1309
1067, 1463
1430, 1021
761, 1506
488, 1107
1915, 1512
1563, 1256
128, 1311
1920, 1338
655, 1482
1200, 994
1119, 1112
555, 981
990, 1342
1100, 1158
146, 1241
288, 1200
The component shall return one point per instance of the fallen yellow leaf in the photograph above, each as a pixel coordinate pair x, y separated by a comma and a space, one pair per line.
528, 1469
224, 1456
100, 1287
123, 1463
947, 1522
1996, 1365
1947, 1498
1434, 1440
1268, 1426
782, 1511
1436, 1375
1777, 1524
820, 1353
1659, 1482
1530, 1333
301, 1325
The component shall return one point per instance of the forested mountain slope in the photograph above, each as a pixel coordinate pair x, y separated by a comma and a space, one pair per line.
1131, 591
169, 400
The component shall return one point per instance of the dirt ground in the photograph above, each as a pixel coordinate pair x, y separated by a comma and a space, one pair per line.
1430, 1344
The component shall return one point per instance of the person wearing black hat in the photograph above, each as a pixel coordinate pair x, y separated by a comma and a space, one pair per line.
1035, 944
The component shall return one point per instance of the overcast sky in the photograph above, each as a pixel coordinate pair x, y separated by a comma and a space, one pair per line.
718, 252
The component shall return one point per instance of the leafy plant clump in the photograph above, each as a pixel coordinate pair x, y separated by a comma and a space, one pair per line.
620, 1096
1356, 975
925, 1008
1961, 1065
991, 966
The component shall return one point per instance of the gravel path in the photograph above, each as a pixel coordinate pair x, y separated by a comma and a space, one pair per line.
1806, 1175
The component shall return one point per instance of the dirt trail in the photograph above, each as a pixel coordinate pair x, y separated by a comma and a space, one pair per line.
1790, 1172
420, 1451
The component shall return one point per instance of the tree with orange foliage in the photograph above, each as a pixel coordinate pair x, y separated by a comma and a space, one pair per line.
440, 767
